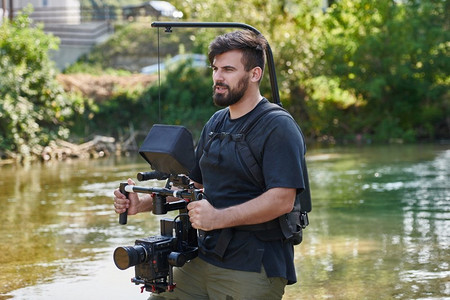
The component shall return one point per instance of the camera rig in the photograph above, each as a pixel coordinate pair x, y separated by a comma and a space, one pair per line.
169, 151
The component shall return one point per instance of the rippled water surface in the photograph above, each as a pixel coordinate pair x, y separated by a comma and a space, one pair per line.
379, 227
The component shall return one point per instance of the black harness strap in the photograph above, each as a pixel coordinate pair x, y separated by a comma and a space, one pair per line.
269, 230
251, 163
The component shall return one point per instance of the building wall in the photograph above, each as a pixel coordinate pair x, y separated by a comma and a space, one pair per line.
46, 3
52, 11
62, 18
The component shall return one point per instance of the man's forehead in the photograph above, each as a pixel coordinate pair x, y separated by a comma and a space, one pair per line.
229, 58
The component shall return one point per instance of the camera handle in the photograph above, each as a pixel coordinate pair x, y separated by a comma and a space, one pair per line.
161, 206
123, 216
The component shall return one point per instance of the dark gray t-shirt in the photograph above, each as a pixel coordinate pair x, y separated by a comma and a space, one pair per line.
277, 144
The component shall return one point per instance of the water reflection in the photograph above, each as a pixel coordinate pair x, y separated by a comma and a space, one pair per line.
379, 227
396, 207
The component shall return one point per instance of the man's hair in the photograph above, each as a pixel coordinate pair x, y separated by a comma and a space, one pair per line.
251, 44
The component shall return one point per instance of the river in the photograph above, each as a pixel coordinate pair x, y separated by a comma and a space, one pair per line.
379, 228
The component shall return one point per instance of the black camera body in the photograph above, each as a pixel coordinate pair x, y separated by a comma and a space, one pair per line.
158, 250
154, 256
169, 150
156, 263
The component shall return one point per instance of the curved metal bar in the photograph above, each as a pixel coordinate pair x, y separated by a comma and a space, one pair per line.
269, 55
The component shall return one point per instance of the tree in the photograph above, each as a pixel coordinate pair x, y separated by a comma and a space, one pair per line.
34, 108
376, 68
394, 56
370, 67
291, 28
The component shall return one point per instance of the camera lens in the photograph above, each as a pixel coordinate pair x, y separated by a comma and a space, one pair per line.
125, 257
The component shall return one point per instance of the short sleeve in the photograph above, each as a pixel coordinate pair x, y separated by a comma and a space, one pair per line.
282, 153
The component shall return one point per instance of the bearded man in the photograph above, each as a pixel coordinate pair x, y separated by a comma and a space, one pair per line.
239, 257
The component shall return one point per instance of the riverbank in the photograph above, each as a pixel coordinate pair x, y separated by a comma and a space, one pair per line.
99, 89
59, 150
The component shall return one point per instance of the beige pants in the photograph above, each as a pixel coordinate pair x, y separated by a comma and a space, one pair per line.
199, 280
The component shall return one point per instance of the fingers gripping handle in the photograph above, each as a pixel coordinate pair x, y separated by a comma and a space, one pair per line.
123, 216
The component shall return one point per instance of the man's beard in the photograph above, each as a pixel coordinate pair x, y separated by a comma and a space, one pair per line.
233, 96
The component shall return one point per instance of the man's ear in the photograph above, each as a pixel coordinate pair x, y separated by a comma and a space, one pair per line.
256, 74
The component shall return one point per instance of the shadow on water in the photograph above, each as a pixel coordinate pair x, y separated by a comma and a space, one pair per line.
379, 227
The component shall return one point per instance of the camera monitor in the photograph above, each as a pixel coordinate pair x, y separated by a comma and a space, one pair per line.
169, 149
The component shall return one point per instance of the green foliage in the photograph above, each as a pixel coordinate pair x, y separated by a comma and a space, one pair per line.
183, 97
292, 30
186, 97
118, 113
33, 108
394, 56
362, 66
377, 69
95, 68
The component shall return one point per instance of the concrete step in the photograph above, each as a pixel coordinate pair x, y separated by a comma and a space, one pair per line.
79, 34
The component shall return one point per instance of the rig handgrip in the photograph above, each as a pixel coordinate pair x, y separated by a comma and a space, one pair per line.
123, 216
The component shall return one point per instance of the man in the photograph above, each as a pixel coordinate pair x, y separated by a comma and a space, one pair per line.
238, 259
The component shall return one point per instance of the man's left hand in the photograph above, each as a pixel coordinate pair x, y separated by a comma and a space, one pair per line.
203, 215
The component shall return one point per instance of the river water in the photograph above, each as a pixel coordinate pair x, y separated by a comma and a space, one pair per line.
379, 227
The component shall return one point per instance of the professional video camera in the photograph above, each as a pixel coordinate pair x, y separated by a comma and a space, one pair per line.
170, 152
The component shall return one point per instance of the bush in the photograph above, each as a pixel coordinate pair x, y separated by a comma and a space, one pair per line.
182, 98
34, 108
394, 54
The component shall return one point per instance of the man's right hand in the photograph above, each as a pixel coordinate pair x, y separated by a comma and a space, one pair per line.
121, 203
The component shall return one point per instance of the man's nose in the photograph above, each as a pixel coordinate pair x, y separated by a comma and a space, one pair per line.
217, 76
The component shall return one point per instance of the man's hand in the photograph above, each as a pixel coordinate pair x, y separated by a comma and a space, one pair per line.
203, 215
268, 206
133, 203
